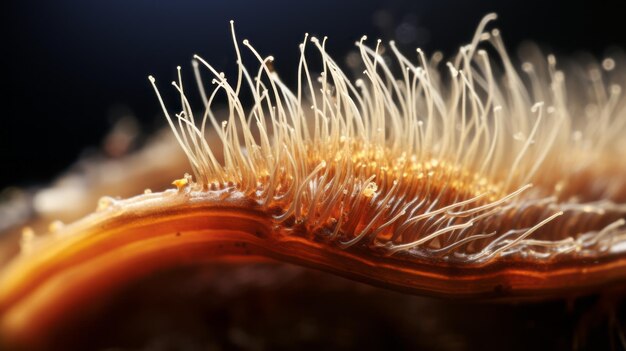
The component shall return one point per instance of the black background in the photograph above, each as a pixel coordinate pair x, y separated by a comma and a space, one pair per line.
68, 65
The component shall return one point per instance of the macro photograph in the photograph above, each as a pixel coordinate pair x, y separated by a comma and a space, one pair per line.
313, 175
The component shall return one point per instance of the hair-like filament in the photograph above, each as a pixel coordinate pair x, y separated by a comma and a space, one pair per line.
468, 179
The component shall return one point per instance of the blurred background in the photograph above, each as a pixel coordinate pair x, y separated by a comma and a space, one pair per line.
72, 69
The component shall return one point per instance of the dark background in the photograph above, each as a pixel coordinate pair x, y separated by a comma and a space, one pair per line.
70, 66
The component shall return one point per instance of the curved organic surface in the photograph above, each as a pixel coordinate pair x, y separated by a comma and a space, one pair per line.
451, 182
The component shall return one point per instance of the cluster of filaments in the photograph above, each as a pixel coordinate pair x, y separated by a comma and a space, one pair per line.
418, 157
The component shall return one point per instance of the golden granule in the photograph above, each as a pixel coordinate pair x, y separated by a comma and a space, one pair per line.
467, 178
